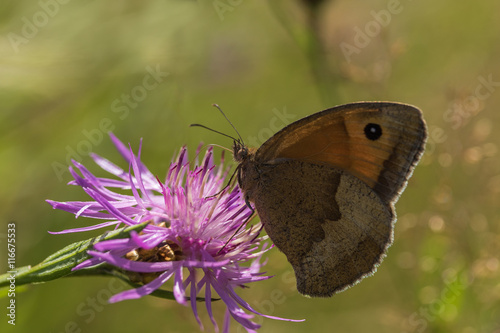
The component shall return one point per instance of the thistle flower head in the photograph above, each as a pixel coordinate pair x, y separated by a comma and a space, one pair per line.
196, 235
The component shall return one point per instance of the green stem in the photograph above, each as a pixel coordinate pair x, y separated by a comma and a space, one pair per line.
106, 269
63, 261
308, 39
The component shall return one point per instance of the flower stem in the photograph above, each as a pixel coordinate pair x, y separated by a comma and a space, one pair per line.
326, 73
60, 263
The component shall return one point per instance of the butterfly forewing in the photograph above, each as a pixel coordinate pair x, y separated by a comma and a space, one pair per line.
378, 143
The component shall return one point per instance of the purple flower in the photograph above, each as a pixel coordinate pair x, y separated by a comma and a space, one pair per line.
192, 230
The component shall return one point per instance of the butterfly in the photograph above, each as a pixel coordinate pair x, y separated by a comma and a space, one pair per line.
325, 187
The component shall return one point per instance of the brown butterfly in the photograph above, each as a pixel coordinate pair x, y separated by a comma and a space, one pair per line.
325, 188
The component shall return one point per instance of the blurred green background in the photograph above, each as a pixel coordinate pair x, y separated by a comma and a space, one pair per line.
66, 70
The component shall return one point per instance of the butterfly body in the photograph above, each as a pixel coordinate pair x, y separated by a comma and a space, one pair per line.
325, 186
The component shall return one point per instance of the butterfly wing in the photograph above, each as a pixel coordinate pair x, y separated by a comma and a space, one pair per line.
333, 228
377, 142
325, 186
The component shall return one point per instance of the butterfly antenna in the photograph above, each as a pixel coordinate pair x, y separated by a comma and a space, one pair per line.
210, 129
229, 121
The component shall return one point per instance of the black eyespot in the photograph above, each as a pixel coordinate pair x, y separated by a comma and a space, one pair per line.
373, 131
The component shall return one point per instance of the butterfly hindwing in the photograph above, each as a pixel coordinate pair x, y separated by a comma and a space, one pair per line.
309, 216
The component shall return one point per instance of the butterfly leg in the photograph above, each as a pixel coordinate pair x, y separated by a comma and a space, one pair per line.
241, 225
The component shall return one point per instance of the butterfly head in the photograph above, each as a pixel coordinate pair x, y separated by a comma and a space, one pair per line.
240, 151
247, 169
